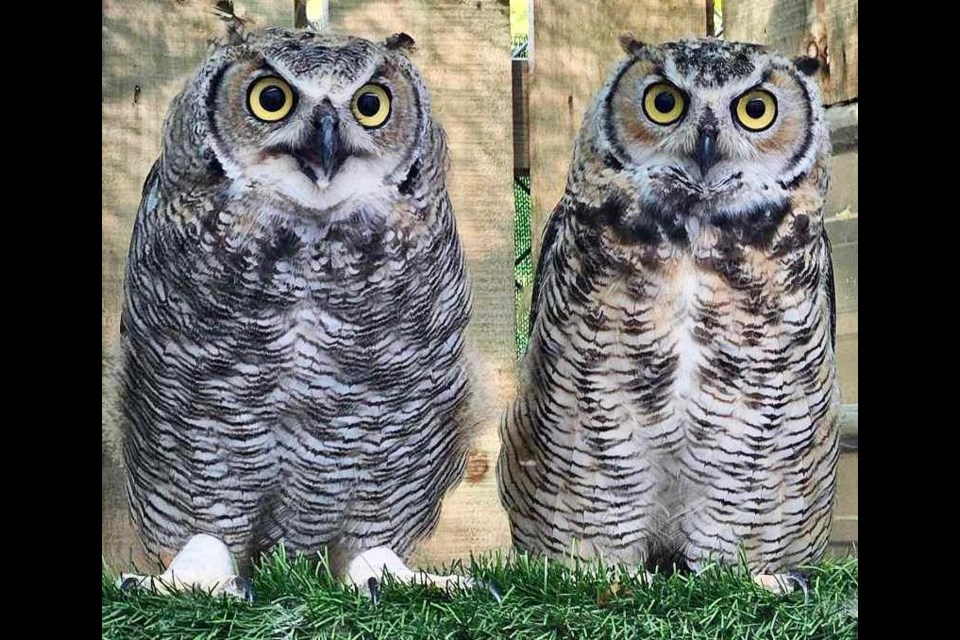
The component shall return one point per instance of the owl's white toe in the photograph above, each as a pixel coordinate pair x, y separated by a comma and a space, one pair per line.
204, 563
372, 563
776, 582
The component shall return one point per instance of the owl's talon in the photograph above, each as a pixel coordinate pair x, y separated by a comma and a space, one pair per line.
492, 588
129, 584
801, 580
245, 588
368, 566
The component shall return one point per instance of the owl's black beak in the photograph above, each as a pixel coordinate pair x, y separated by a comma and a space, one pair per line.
328, 142
706, 151
323, 151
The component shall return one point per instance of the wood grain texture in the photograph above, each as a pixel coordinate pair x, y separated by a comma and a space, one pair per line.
825, 29
520, 91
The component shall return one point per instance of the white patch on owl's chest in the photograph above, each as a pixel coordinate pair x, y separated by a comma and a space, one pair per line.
688, 351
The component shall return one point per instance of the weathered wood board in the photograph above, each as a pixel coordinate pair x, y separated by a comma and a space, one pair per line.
825, 29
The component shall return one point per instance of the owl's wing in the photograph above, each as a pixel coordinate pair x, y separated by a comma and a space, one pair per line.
551, 237
148, 195
831, 290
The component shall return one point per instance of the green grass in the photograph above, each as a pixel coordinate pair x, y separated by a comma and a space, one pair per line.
541, 600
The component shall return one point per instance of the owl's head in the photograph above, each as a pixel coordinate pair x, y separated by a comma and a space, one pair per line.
317, 119
708, 127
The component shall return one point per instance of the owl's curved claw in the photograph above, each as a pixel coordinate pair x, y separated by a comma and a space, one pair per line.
492, 587
373, 585
129, 584
244, 588
801, 580
782, 583
204, 563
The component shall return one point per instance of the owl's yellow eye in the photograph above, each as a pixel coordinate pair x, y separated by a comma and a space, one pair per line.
755, 110
664, 103
371, 105
270, 99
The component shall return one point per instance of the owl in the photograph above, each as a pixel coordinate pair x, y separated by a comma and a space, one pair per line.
294, 306
678, 399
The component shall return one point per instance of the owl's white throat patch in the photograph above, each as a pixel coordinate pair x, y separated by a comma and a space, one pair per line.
357, 183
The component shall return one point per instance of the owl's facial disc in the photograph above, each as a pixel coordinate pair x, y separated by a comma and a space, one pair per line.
708, 126
324, 122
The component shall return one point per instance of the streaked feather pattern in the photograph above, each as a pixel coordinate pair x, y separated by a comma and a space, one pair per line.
678, 398
293, 373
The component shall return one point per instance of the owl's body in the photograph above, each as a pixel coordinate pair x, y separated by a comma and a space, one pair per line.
678, 398
294, 308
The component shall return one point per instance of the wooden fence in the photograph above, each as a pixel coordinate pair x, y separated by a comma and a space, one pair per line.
149, 49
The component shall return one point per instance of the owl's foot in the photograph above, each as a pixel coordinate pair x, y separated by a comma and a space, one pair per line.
367, 569
204, 563
782, 582
640, 574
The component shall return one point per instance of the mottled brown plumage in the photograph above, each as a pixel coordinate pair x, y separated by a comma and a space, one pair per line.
678, 398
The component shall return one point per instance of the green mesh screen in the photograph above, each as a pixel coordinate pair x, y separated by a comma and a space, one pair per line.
523, 265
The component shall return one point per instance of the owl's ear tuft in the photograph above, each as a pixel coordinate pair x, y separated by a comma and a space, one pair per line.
808, 66
235, 24
400, 41
630, 44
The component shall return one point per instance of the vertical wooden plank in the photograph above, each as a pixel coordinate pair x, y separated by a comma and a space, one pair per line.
310, 13
520, 90
464, 55
826, 29
845, 533
148, 51
575, 48
843, 222
300, 14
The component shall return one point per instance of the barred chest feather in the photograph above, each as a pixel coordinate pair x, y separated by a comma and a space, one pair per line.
297, 370
682, 397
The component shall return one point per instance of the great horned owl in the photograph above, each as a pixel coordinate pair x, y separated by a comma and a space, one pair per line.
678, 399
295, 304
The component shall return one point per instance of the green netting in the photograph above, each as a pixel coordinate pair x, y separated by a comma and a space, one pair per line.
518, 48
523, 265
